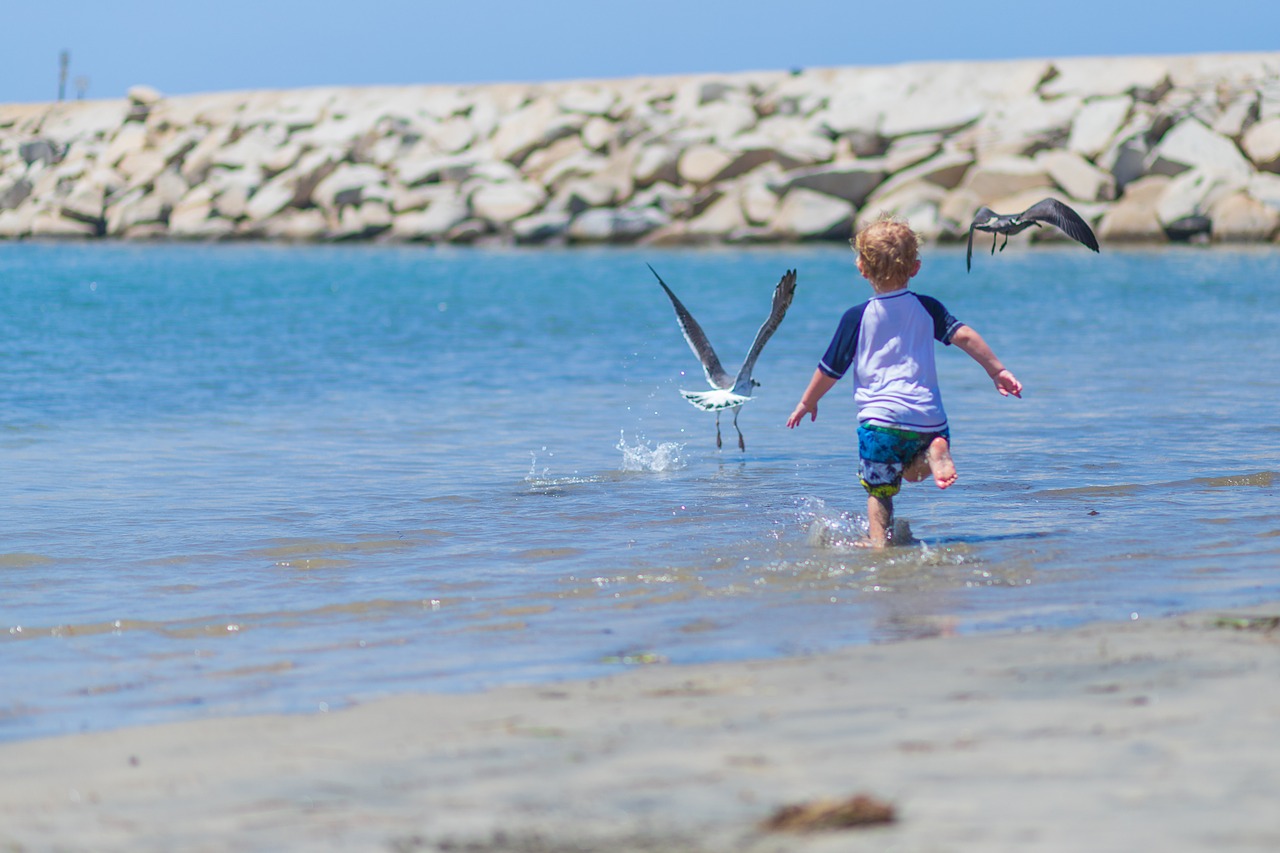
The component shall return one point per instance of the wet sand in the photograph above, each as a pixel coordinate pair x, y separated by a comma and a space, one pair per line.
1155, 734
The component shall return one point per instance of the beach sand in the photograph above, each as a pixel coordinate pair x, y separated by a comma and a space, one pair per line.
1146, 735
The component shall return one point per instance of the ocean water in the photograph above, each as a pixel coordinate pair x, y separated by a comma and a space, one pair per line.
249, 478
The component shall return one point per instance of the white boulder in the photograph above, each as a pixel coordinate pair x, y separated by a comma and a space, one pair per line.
1101, 76
542, 227
590, 99
15, 223
1078, 177
1241, 219
623, 225
702, 164
190, 215
361, 221
452, 135
1004, 176
535, 126
852, 182
598, 132
807, 214
440, 217
1237, 117
1193, 193
350, 184
946, 170
1265, 187
297, 226
1096, 124
135, 208
271, 198
130, 138
51, 223
145, 95
1262, 143
1192, 145
252, 149
141, 167
720, 219
657, 162
1133, 217
507, 202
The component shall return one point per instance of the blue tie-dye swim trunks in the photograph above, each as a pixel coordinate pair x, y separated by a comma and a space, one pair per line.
883, 453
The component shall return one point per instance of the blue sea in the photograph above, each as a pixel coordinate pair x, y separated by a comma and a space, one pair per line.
255, 478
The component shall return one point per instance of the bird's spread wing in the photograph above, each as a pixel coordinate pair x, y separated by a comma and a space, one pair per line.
1058, 214
715, 400
983, 214
697, 339
782, 296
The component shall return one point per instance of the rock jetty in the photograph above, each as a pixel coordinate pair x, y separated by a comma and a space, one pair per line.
1149, 149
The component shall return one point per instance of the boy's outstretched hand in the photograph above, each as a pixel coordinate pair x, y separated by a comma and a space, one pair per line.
820, 384
1007, 383
801, 410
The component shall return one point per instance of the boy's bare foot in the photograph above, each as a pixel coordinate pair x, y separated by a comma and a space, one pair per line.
940, 462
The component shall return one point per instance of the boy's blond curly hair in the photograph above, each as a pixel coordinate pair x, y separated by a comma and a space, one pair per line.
889, 250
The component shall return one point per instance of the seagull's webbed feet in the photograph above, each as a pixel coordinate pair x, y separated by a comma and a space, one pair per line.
995, 238
742, 443
1005, 243
719, 443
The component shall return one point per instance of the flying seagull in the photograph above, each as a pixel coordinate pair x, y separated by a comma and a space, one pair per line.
728, 392
1050, 210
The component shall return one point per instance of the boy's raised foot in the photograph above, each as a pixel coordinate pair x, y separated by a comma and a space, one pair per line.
940, 463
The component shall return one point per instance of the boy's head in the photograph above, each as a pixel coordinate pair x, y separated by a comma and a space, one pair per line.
888, 253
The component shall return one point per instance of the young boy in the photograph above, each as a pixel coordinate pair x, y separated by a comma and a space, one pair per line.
888, 342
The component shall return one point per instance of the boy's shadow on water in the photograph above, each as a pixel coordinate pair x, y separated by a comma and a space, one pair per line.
997, 537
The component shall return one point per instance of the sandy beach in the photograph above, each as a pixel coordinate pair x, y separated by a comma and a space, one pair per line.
1143, 735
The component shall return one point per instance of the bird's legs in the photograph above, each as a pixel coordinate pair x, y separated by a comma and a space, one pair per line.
1005, 243
742, 444
995, 238
718, 442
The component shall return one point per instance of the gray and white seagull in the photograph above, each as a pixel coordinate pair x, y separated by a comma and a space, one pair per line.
728, 392
1050, 211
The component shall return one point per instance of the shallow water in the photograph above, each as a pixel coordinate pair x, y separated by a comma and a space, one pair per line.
252, 478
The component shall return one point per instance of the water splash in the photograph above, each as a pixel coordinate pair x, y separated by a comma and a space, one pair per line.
828, 531
541, 480
641, 457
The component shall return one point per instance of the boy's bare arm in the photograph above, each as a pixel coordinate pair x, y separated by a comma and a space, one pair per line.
971, 342
820, 384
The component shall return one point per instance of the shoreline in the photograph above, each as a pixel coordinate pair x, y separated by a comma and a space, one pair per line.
1154, 734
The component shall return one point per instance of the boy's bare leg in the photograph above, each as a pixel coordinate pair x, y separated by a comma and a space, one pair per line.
879, 521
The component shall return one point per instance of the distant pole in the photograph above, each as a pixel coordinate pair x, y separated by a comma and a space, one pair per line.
64, 60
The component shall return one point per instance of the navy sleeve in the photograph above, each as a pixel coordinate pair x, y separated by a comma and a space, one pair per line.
944, 325
844, 345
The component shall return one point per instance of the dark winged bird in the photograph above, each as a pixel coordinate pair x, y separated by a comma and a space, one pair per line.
1050, 211
729, 392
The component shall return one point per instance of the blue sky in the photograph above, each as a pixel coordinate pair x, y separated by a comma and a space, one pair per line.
181, 47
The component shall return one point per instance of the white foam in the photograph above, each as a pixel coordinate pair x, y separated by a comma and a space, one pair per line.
641, 457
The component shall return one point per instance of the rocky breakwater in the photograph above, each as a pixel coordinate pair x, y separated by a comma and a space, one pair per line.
1147, 148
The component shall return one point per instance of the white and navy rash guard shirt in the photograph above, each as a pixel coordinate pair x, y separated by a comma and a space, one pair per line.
888, 342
